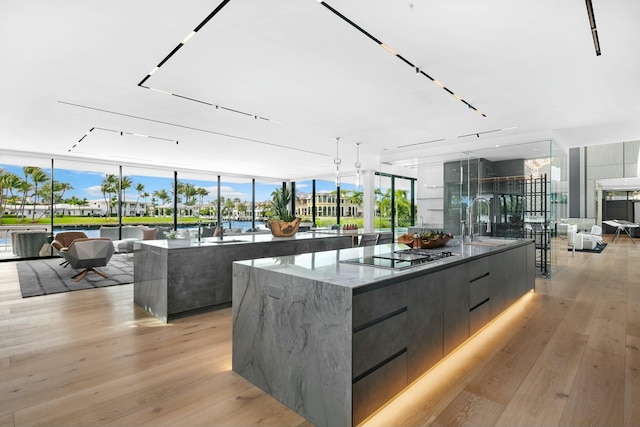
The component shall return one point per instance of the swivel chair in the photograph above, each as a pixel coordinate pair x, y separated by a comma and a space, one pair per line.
88, 254
63, 240
596, 232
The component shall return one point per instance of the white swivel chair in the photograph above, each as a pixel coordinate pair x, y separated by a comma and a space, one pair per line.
572, 234
596, 232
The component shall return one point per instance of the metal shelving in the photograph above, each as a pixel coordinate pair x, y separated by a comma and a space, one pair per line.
538, 225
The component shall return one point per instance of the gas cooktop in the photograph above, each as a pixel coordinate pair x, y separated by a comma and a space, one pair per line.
400, 259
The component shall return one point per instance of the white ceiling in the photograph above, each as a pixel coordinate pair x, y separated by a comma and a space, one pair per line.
70, 66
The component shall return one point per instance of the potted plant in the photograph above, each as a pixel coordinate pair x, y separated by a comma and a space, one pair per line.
282, 223
174, 241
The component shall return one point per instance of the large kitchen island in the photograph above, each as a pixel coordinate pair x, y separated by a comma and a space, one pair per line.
174, 278
335, 335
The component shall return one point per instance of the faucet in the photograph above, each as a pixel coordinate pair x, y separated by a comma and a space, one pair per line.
472, 218
463, 230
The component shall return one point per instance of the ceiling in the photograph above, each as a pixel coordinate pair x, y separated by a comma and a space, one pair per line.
530, 67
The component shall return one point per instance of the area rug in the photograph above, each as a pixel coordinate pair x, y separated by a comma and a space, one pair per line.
47, 276
598, 249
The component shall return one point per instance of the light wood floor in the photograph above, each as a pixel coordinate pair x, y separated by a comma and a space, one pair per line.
568, 354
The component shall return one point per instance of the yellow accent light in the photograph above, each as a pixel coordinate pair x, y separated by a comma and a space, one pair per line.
450, 370
388, 49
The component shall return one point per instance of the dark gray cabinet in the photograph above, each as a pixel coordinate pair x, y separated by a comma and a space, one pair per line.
379, 347
479, 294
425, 314
456, 307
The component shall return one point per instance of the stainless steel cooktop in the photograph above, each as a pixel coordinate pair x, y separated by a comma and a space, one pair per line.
401, 259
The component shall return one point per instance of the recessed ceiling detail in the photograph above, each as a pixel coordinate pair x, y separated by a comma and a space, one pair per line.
476, 134
122, 133
188, 98
242, 138
417, 69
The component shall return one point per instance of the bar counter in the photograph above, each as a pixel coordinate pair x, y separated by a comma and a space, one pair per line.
174, 278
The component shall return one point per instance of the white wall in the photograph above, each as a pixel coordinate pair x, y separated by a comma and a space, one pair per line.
430, 193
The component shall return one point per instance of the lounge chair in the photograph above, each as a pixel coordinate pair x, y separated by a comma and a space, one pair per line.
89, 254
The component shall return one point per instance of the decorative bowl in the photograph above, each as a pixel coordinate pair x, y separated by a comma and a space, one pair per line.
284, 229
440, 240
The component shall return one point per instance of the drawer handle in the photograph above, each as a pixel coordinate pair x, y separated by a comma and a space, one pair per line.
480, 277
478, 305
379, 365
379, 319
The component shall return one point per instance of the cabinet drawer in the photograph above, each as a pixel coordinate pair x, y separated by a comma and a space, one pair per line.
377, 388
372, 305
478, 268
479, 317
377, 343
479, 291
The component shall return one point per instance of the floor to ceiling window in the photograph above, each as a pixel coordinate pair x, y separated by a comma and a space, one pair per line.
396, 209
25, 207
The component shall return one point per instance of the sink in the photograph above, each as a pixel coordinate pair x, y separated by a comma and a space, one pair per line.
226, 241
490, 242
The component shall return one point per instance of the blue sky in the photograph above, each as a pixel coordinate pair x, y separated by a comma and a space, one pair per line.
87, 184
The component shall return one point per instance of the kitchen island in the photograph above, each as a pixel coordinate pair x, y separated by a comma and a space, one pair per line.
174, 278
335, 335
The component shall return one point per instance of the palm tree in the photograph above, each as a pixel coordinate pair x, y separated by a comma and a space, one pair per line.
108, 187
190, 192
8, 182
140, 192
383, 202
403, 207
125, 184
38, 176
202, 193
82, 203
145, 196
59, 189
162, 195
242, 209
24, 187
356, 197
228, 207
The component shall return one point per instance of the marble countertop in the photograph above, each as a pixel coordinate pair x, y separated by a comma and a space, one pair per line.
328, 266
234, 240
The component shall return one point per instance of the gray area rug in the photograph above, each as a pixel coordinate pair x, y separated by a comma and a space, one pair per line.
47, 276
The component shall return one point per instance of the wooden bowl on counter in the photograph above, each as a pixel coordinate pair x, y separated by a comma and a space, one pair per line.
426, 244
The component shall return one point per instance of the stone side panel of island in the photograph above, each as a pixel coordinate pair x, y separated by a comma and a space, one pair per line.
292, 339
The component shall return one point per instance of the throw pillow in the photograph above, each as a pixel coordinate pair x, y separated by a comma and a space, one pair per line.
149, 233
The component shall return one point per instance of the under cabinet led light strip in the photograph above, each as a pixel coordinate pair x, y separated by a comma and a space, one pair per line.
402, 58
176, 49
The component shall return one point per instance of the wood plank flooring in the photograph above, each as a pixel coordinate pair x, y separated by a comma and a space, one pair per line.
568, 354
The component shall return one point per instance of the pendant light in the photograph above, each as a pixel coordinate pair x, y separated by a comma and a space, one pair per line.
337, 162
358, 165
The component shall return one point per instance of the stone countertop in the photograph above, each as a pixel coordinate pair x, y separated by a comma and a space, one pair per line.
239, 239
328, 266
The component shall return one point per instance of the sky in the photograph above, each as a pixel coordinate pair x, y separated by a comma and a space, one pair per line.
87, 184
